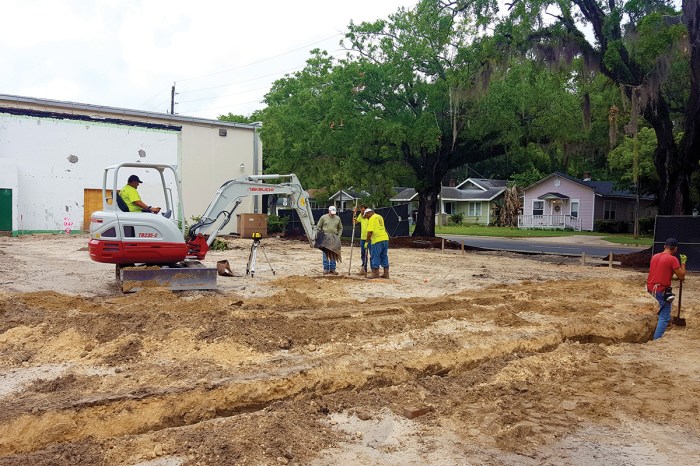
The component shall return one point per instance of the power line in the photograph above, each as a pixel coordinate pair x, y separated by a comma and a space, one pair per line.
153, 97
219, 96
160, 104
242, 81
261, 61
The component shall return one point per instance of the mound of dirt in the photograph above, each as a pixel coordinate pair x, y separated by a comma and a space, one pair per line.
636, 260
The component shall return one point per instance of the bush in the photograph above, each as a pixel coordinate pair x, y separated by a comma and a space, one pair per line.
646, 225
276, 224
217, 245
610, 226
457, 218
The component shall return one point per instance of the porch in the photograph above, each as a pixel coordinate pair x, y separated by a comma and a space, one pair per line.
549, 221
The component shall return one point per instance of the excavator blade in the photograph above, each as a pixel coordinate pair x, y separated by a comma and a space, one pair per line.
186, 276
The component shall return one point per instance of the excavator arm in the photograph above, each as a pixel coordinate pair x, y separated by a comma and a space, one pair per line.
231, 194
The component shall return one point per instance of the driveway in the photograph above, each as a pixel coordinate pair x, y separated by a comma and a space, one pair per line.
564, 245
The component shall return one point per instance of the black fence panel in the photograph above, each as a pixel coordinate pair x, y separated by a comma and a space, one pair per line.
395, 220
686, 229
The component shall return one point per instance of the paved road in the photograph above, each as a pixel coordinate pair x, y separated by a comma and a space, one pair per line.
535, 246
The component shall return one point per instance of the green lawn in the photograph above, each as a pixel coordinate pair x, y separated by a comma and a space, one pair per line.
478, 230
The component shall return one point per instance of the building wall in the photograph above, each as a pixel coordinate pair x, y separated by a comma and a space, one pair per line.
463, 208
51, 161
625, 209
208, 160
575, 191
204, 159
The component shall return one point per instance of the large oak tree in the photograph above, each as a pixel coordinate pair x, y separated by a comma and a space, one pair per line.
643, 47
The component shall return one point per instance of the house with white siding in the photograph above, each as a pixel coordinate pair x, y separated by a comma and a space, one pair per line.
474, 198
560, 201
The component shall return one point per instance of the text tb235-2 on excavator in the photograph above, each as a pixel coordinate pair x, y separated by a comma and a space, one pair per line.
152, 248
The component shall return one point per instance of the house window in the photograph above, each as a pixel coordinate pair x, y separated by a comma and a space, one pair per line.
574, 209
449, 208
609, 210
474, 209
537, 207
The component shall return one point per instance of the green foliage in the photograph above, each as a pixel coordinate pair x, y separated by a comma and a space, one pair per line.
610, 226
217, 245
276, 224
456, 219
393, 113
528, 177
646, 225
655, 39
236, 118
621, 159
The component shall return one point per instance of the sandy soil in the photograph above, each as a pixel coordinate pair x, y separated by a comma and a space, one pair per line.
474, 358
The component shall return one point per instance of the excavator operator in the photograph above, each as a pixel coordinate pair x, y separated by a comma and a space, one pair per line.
132, 199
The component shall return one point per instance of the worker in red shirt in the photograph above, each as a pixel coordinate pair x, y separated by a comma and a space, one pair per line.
661, 270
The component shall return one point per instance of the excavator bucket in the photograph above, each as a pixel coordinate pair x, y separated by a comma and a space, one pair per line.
190, 275
330, 244
224, 269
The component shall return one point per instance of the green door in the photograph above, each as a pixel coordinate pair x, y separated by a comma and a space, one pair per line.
5, 209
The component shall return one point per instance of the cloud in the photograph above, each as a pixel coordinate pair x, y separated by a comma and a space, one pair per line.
223, 55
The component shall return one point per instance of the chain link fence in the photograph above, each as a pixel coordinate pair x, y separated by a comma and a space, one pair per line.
395, 220
686, 229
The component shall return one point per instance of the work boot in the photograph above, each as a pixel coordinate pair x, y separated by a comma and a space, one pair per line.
386, 272
326, 272
333, 272
362, 272
375, 273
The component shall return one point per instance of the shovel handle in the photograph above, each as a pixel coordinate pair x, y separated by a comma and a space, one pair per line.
680, 297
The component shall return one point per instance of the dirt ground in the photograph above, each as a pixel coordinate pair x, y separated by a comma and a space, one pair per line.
459, 358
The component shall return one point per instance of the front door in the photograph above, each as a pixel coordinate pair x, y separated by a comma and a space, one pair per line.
5, 209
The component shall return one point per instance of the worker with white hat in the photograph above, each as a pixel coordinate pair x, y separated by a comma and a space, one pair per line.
330, 224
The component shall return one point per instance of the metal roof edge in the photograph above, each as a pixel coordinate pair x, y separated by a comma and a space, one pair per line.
122, 111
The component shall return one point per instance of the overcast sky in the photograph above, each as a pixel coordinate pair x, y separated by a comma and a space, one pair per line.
222, 55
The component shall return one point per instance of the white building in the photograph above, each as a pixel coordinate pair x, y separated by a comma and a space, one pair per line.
53, 154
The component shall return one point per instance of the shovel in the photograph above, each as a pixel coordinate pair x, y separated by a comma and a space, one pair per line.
677, 319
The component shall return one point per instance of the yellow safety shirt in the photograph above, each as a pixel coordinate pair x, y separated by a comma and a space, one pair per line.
130, 195
375, 224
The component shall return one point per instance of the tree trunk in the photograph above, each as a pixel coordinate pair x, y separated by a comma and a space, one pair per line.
691, 137
427, 201
671, 162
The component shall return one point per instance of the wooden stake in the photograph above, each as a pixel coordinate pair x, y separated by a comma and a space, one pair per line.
443, 245
583, 258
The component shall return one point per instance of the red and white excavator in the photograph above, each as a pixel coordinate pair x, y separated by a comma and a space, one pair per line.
153, 248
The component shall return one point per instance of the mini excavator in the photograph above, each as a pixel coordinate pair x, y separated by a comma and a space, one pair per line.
155, 249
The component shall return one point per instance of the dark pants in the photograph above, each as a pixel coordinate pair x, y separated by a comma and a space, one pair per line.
363, 253
380, 254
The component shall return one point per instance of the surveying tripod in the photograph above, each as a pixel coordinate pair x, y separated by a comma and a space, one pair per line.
250, 268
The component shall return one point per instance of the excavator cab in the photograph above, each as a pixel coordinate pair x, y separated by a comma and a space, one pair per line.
122, 237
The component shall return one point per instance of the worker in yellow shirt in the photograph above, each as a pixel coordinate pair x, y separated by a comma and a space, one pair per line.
378, 240
363, 237
132, 199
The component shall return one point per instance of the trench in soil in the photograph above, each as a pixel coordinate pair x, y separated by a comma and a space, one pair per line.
137, 413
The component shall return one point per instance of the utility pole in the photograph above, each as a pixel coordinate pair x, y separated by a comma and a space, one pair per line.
172, 100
